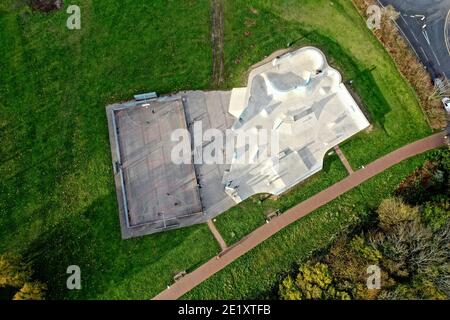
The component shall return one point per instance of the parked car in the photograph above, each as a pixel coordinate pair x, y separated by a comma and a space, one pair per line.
446, 102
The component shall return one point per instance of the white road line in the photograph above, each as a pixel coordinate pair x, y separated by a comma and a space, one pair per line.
404, 20
412, 32
446, 26
424, 53
407, 39
425, 35
439, 63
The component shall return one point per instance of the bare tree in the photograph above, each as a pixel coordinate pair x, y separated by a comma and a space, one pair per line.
441, 89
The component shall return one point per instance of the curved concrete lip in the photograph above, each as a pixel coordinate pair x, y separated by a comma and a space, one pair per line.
312, 111
301, 99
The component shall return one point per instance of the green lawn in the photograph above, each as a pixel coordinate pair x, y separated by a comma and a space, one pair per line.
57, 198
257, 274
256, 28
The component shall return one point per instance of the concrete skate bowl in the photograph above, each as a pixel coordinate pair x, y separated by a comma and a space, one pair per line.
302, 98
295, 70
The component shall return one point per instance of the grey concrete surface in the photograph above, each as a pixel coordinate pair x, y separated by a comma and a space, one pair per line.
302, 101
153, 193
297, 95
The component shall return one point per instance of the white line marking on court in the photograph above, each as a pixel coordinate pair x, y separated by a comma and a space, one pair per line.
424, 53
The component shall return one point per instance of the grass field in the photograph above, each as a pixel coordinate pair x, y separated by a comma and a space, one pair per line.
261, 27
257, 274
57, 198
257, 28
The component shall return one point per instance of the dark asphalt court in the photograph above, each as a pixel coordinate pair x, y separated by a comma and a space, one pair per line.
428, 42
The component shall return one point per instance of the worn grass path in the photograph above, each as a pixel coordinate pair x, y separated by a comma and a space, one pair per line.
217, 39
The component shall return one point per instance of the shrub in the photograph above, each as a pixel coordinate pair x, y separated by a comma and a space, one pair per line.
393, 211
419, 288
16, 275
436, 213
314, 281
407, 63
425, 182
46, 5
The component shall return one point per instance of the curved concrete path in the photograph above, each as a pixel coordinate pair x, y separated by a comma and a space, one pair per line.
264, 232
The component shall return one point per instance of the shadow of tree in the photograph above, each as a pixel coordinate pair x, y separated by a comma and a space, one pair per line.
363, 83
92, 241
64, 244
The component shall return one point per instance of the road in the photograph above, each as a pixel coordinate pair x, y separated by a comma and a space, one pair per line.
264, 232
431, 42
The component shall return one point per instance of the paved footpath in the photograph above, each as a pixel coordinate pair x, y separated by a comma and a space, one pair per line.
264, 232
217, 235
344, 160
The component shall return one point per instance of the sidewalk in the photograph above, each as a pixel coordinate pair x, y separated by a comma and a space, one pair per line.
217, 235
266, 231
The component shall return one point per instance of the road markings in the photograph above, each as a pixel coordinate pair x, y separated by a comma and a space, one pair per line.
439, 63
412, 32
446, 26
424, 53
407, 39
404, 20
425, 35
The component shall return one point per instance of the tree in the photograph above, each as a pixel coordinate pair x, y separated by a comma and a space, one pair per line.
46, 5
12, 272
419, 288
17, 275
436, 213
314, 281
31, 291
407, 244
430, 180
441, 89
392, 212
289, 291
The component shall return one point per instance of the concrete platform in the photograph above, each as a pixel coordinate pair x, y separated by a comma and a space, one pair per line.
302, 100
297, 95
153, 193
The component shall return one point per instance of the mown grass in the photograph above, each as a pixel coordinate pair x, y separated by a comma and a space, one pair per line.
257, 274
257, 28
57, 198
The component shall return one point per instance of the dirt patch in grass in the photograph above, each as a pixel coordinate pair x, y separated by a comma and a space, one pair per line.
217, 38
46, 5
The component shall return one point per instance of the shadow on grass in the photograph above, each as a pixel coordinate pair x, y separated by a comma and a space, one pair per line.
65, 244
294, 34
363, 81
92, 241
